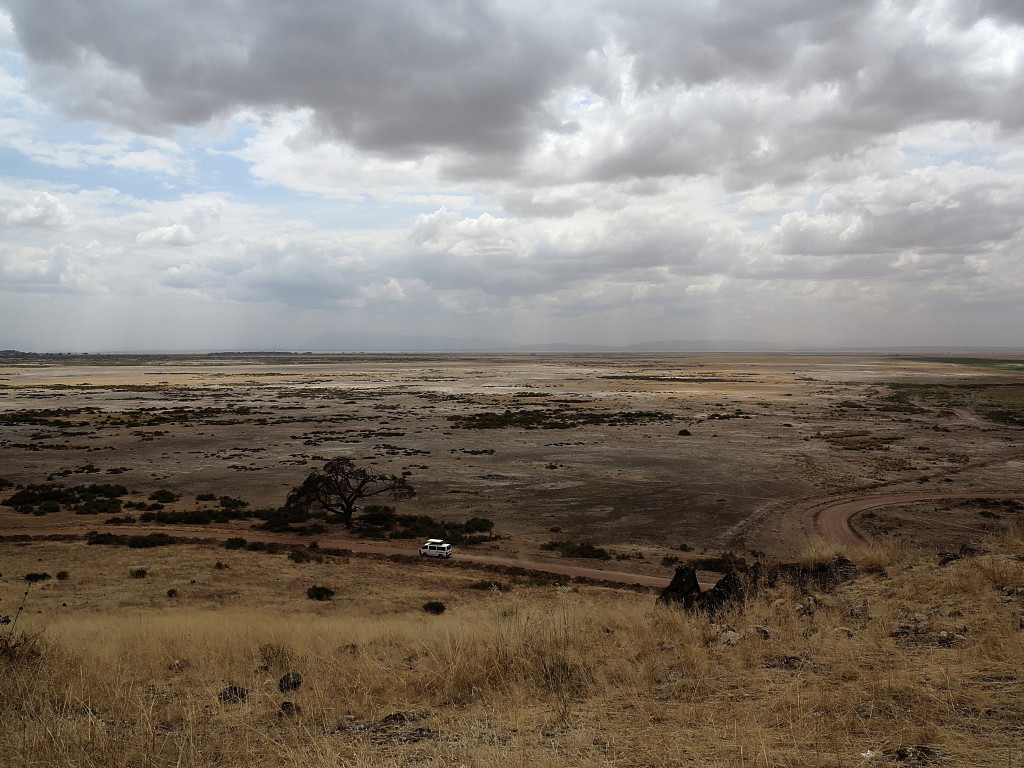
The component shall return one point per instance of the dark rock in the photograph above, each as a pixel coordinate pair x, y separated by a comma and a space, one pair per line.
728, 589
232, 694
683, 588
290, 681
290, 709
965, 550
915, 755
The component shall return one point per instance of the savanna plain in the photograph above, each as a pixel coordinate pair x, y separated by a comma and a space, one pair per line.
159, 606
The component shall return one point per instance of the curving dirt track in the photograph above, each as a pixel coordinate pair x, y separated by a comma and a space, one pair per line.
558, 569
831, 519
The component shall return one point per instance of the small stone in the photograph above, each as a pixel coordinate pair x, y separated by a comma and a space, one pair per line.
730, 638
949, 638
807, 606
290, 681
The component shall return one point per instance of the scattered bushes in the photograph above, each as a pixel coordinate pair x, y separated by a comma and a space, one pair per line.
45, 498
561, 418
379, 521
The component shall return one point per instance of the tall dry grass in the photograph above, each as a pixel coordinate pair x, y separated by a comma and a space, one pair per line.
548, 677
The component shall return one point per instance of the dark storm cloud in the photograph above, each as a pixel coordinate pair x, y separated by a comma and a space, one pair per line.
394, 75
749, 88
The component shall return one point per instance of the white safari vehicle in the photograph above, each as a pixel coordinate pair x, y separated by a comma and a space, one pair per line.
436, 548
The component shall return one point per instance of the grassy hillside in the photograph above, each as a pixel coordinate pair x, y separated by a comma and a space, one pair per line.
912, 663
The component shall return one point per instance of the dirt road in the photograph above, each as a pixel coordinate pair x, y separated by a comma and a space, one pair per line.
831, 519
557, 569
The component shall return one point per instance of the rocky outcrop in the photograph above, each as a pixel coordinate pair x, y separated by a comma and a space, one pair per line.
684, 590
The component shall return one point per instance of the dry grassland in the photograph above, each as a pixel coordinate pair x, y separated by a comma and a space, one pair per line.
536, 676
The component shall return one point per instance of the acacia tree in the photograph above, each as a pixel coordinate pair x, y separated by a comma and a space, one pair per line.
340, 484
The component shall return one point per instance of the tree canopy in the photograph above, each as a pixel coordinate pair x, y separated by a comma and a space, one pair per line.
340, 484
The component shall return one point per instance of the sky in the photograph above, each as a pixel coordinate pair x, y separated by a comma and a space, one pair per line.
230, 174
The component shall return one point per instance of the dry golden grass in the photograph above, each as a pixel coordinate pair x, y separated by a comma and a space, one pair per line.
538, 676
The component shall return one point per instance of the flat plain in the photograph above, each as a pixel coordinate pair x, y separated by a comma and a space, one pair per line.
116, 655
595, 446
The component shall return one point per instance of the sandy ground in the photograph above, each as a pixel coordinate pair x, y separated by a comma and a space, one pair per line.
770, 435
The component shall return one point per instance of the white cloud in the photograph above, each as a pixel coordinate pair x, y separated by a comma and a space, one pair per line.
45, 211
173, 234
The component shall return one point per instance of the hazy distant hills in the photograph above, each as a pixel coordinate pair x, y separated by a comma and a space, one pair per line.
352, 341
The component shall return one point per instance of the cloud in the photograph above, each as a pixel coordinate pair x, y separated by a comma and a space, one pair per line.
648, 88
173, 234
603, 167
45, 210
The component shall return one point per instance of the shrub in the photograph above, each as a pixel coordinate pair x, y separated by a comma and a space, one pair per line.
319, 593
125, 520
150, 540
577, 549
63, 575
299, 555
172, 593
669, 560
138, 573
435, 607
235, 542
32, 578
163, 496
206, 497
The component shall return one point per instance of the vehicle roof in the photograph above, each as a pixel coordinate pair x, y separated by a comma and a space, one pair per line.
435, 541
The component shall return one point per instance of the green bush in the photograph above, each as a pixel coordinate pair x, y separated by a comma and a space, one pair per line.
163, 496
